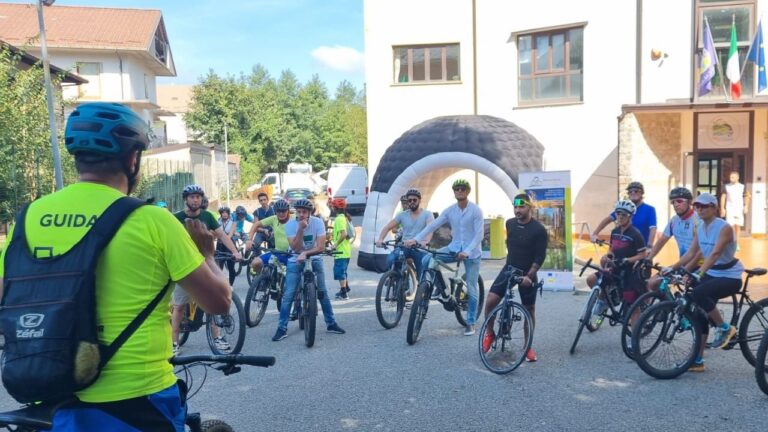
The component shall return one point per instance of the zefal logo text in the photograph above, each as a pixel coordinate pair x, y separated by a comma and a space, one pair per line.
29, 322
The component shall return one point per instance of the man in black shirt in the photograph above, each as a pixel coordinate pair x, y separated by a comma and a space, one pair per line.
526, 250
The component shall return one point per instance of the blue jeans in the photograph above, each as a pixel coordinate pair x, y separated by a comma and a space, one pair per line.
292, 279
416, 255
472, 267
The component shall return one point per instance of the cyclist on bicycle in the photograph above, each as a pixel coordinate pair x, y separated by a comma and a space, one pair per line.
263, 233
412, 221
467, 228
306, 235
241, 216
277, 224
137, 388
682, 227
644, 219
193, 196
342, 246
526, 250
228, 225
627, 246
719, 276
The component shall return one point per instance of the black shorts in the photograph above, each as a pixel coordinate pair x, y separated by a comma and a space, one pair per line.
527, 293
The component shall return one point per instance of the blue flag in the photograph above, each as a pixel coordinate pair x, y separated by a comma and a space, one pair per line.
757, 56
707, 62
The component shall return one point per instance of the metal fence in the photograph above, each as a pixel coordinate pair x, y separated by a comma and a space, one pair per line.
164, 180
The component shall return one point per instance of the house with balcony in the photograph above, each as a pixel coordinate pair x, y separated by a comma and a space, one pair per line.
119, 52
610, 89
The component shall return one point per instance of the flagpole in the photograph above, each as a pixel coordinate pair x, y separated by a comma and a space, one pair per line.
720, 71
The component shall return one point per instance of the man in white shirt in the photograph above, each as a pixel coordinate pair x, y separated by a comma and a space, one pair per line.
734, 203
467, 225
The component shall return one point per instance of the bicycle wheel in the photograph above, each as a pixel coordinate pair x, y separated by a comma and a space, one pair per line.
462, 301
595, 321
751, 330
666, 341
390, 299
184, 335
586, 313
413, 282
508, 322
309, 313
761, 368
249, 274
418, 311
215, 426
231, 326
257, 300
642, 303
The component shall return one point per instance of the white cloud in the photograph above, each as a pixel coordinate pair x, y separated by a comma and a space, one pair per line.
340, 58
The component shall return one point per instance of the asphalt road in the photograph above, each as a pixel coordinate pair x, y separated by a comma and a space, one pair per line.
370, 379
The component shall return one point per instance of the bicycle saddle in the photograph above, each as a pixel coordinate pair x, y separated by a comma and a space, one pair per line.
757, 271
34, 416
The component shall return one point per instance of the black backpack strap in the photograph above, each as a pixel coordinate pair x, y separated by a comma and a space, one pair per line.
108, 351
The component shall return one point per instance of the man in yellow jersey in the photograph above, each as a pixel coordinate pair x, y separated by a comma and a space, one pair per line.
137, 389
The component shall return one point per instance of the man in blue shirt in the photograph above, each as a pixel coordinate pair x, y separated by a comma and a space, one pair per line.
467, 226
644, 218
263, 233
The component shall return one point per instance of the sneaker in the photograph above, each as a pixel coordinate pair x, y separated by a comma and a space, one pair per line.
722, 337
530, 356
697, 367
280, 334
488, 340
599, 308
176, 349
469, 330
334, 328
221, 344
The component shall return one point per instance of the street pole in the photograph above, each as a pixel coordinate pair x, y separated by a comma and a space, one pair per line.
49, 97
226, 161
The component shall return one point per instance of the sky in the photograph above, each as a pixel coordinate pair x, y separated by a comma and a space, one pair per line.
323, 37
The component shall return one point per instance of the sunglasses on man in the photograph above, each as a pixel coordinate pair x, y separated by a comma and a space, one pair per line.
520, 202
460, 189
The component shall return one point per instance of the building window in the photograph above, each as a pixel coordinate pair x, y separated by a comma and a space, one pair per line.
426, 63
91, 72
721, 16
550, 66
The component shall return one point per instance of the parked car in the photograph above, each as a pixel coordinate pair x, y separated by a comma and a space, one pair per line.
349, 181
293, 195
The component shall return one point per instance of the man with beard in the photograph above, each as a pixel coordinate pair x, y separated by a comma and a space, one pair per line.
412, 221
526, 250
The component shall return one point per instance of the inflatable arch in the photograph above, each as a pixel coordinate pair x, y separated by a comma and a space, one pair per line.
430, 152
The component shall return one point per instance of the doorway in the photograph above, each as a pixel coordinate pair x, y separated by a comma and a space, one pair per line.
713, 170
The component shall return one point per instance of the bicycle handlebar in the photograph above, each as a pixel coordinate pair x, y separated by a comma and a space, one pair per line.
228, 359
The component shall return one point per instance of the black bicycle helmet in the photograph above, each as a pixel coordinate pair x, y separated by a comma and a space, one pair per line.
303, 203
224, 209
636, 185
240, 210
680, 192
282, 205
404, 199
192, 190
413, 192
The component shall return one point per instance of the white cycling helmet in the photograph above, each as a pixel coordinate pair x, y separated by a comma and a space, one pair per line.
626, 206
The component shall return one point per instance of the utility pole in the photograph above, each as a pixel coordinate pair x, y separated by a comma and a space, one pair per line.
49, 95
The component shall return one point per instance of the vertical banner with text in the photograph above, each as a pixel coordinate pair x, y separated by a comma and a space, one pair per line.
551, 194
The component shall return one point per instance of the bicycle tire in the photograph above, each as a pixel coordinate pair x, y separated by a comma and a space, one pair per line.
593, 326
231, 325
249, 275
309, 309
462, 302
751, 329
418, 311
390, 300
184, 335
761, 369
643, 302
257, 300
503, 357
215, 426
585, 316
666, 318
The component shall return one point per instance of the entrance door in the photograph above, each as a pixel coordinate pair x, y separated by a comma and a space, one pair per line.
713, 170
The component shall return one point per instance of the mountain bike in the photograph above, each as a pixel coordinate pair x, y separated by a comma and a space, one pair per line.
270, 283
230, 325
33, 418
761, 368
393, 286
609, 288
512, 329
665, 341
308, 296
247, 255
453, 296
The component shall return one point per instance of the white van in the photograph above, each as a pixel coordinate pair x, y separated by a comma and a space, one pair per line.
349, 181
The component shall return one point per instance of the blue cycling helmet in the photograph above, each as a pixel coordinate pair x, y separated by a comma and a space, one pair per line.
106, 129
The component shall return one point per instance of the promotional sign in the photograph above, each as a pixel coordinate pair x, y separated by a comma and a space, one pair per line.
551, 195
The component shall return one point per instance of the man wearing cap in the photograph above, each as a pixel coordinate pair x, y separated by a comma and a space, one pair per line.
719, 276
526, 251
644, 219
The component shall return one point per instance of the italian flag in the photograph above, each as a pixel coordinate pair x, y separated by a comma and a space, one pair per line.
732, 70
